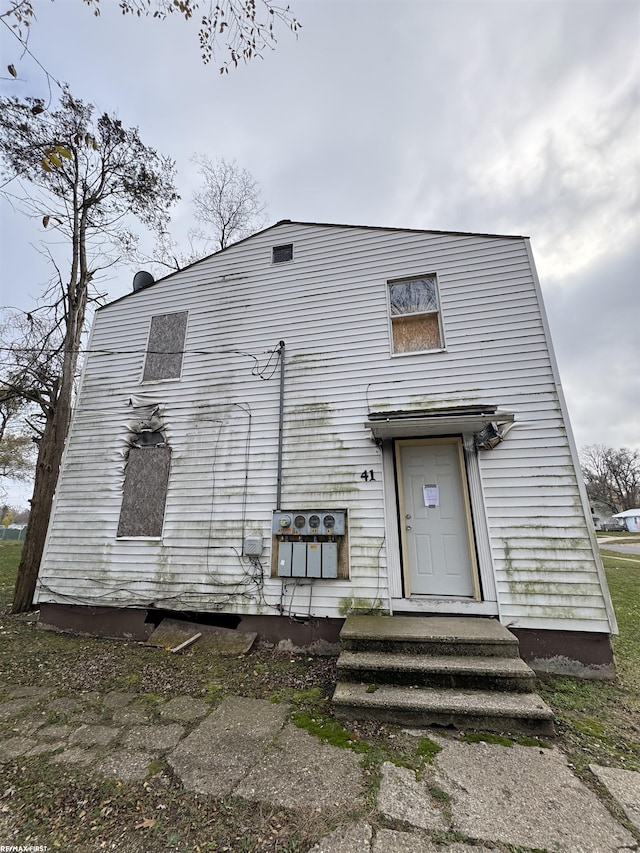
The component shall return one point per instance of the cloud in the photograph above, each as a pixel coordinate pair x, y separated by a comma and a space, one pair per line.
594, 323
541, 134
517, 118
571, 173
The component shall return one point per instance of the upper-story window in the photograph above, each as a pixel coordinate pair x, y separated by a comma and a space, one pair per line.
415, 314
282, 254
165, 346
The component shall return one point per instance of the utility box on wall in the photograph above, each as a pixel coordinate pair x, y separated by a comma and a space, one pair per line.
308, 542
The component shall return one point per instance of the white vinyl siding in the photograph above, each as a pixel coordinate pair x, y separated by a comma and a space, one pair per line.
221, 422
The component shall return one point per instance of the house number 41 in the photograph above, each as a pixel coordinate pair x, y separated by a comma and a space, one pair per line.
367, 475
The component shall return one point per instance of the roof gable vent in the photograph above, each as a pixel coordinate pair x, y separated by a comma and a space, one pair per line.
282, 254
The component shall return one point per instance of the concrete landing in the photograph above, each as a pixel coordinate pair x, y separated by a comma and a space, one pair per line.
458, 628
436, 634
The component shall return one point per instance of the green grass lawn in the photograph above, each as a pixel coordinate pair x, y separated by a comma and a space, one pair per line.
9, 559
600, 721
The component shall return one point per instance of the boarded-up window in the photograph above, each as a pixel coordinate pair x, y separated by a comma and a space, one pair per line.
165, 347
415, 314
145, 491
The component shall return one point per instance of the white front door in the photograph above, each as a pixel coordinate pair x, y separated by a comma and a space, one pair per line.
435, 521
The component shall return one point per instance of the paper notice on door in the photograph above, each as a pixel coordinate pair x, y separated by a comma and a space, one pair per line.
431, 495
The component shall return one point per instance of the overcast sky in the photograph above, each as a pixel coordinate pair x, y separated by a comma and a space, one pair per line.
506, 117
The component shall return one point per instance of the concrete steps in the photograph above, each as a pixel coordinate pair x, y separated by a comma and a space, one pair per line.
460, 671
484, 673
426, 706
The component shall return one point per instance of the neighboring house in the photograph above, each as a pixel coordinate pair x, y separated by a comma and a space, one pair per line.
631, 518
327, 419
603, 519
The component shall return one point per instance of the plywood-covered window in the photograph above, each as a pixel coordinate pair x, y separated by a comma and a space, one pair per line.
165, 346
145, 492
415, 314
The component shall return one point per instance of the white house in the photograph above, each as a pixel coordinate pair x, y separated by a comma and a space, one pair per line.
328, 419
631, 518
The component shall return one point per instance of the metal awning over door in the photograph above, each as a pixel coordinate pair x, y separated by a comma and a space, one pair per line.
425, 423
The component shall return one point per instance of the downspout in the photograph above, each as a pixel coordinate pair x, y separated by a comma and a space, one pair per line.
280, 430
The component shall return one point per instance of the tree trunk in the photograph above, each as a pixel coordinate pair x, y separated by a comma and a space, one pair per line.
47, 470
58, 415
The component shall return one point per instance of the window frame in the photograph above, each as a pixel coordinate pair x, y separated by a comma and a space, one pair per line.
438, 312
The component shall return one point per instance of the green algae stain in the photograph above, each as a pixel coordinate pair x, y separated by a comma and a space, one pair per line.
352, 606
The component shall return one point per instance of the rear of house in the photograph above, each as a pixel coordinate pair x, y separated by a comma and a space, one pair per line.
323, 420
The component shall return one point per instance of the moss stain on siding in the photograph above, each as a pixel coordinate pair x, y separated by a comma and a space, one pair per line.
352, 606
537, 588
316, 414
305, 360
164, 573
106, 557
306, 434
508, 562
365, 546
440, 401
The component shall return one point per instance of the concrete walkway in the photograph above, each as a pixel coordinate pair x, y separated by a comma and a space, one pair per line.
478, 794
631, 550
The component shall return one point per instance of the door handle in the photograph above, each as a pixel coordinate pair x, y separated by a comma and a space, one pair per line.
408, 527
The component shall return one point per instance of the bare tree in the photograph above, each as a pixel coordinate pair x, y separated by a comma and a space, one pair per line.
244, 27
86, 177
31, 346
229, 205
612, 476
20, 515
166, 255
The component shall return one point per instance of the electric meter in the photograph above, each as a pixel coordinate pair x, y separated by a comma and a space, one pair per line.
309, 542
